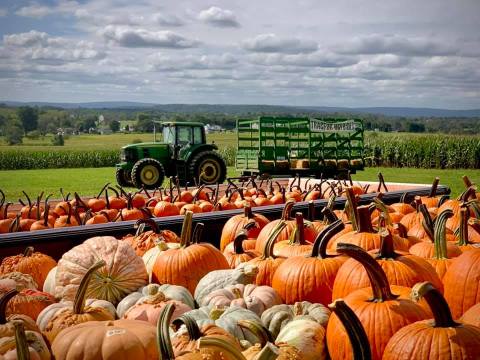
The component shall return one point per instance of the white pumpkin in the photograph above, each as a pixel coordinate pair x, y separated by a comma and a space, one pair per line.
49, 284
151, 255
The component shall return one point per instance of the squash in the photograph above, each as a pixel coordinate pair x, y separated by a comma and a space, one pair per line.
107, 340
276, 317
173, 292
251, 297
381, 315
27, 302
175, 265
58, 317
443, 338
23, 345
124, 271
218, 279
18, 281
33, 263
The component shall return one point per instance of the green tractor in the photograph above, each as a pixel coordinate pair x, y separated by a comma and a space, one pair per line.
183, 153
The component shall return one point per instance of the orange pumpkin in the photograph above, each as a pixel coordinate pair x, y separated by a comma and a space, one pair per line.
27, 302
238, 254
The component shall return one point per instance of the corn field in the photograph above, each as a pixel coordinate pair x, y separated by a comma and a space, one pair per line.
418, 151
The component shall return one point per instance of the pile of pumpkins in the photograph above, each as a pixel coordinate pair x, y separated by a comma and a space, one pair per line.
114, 204
378, 281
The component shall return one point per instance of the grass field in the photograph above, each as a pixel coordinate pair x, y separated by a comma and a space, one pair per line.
89, 181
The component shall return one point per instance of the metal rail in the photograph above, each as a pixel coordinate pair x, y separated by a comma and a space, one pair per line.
55, 242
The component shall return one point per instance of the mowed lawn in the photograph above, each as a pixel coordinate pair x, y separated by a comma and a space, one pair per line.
89, 181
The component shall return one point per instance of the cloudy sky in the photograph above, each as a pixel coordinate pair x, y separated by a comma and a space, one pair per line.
421, 53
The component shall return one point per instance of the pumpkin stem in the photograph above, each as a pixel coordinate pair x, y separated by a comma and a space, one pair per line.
238, 242
311, 211
186, 234
351, 208
150, 222
364, 220
103, 189
355, 331
21, 344
378, 280
216, 312
45, 214
298, 234
380, 205
197, 233
3, 304
269, 245
463, 228
427, 222
321, 241
164, 343
437, 303
474, 205
247, 212
328, 215
28, 251
467, 181
387, 250
28, 198
257, 328
230, 352
268, 352
440, 232
433, 189
287, 209
79, 301
194, 332
250, 224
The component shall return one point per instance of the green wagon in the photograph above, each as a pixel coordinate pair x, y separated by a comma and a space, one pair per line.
325, 147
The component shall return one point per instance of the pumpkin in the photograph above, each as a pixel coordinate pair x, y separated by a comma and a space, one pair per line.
96, 204
214, 348
354, 329
165, 208
173, 292
296, 245
143, 240
462, 282
247, 244
218, 279
187, 332
310, 278
472, 315
33, 263
307, 336
238, 254
237, 223
381, 315
401, 269
5, 322
175, 265
268, 263
58, 317
251, 297
442, 338
124, 271
107, 340
28, 302
270, 351
227, 319
17, 280
151, 255
414, 219
23, 345
276, 317
455, 205
291, 225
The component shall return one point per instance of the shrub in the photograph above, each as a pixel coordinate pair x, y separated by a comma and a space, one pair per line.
58, 140
13, 134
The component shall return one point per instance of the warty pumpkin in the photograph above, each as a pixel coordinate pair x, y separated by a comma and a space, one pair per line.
6, 328
33, 263
27, 302
124, 271
441, 338
58, 317
381, 315
186, 265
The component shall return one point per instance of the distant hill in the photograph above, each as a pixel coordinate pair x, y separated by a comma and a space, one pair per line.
245, 109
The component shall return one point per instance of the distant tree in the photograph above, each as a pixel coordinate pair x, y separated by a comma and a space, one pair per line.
127, 128
416, 127
114, 125
29, 117
144, 123
58, 140
13, 132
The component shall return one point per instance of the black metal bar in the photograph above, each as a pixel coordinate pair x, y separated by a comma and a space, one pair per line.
55, 242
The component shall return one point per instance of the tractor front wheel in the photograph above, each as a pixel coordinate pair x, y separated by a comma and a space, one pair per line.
208, 167
148, 173
123, 178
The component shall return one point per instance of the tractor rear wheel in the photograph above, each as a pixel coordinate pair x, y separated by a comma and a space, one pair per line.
210, 166
148, 173
123, 178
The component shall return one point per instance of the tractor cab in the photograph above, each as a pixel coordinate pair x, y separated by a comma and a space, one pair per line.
181, 136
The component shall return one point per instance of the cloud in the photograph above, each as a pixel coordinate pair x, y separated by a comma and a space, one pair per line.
3, 12
30, 38
159, 62
317, 59
394, 44
168, 20
271, 43
38, 11
389, 60
218, 17
130, 37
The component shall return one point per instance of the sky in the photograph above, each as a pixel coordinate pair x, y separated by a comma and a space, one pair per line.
353, 53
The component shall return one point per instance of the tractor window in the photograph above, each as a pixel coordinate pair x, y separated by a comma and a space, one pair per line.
197, 135
169, 135
184, 134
